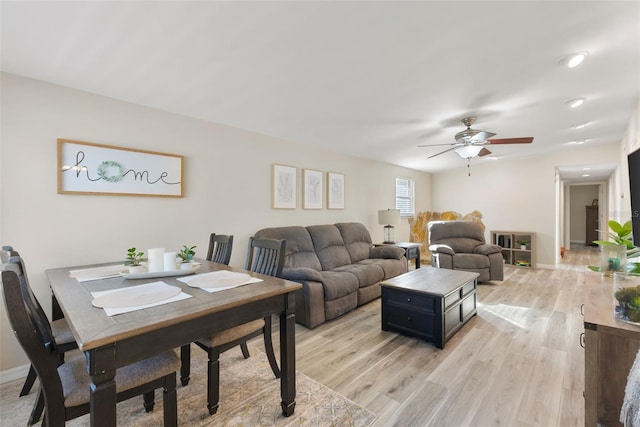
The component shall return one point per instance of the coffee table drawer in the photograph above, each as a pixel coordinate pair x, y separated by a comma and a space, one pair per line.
412, 322
410, 300
468, 307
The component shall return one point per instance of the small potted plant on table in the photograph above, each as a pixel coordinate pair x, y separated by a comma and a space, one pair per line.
186, 255
134, 261
615, 252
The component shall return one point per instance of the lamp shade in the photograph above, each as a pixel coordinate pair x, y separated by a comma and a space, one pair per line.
468, 151
389, 216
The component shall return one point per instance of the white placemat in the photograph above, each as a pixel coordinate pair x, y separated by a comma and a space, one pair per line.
219, 280
136, 290
96, 273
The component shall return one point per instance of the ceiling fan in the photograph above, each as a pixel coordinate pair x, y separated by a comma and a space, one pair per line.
471, 143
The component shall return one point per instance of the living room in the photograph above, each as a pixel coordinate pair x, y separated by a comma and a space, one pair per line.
228, 181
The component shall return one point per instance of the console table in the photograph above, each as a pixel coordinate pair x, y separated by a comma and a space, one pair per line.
431, 303
610, 349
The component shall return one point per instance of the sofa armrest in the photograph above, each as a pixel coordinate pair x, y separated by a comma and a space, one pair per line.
487, 249
386, 252
301, 273
442, 249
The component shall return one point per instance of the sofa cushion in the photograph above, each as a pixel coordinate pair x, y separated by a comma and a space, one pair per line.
356, 239
391, 267
460, 244
329, 246
338, 284
367, 274
299, 251
386, 251
471, 261
301, 273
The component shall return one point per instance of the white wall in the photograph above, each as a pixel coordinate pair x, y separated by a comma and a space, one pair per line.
227, 185
516, 195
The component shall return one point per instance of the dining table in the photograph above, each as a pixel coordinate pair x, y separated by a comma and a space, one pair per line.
112, 341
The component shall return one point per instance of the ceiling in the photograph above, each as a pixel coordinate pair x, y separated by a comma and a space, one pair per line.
370, 79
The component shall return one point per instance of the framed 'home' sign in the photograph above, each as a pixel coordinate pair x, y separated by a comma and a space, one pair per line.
88, 168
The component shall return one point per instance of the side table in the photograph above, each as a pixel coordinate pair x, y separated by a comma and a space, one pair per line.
411, 250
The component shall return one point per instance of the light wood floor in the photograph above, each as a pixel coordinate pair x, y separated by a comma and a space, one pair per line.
517, 363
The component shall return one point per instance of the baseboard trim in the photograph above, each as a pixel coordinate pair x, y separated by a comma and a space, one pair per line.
546, 266
13, 374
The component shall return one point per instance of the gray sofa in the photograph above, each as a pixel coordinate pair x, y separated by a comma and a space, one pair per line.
460, 245
337, 265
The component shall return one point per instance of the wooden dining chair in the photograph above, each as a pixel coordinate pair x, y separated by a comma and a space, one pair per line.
220, 246
65, 386
60, 330
266, 256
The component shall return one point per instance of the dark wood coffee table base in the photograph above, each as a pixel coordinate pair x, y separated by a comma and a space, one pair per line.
430, 303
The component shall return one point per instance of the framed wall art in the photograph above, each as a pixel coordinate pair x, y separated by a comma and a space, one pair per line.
335, 190
312, 189
283, 187
98, 169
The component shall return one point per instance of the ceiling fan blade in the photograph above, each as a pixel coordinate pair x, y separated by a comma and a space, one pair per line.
438, 145
484, 152
482, 136
527, 140
442, 152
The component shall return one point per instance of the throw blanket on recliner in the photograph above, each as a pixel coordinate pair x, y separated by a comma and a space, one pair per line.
630, 412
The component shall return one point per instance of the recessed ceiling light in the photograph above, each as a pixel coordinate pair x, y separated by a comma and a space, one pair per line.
580, 125
576, 102
578, 141
585, 169
585, 174
574, 59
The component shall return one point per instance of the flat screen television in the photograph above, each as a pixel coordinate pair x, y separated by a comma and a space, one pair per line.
634, 183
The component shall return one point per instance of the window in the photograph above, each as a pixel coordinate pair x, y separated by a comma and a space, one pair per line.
405, 197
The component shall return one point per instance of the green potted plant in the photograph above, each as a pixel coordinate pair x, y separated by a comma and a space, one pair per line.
615, 252
628, 298
523, 244
134, 261
186, 255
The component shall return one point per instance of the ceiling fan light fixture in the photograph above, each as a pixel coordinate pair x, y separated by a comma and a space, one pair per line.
574, 59
468, 151
575, 103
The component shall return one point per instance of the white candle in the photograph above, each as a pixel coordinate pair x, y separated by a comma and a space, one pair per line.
169, 261
156, 260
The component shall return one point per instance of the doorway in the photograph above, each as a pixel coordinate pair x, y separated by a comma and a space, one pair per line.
582, 208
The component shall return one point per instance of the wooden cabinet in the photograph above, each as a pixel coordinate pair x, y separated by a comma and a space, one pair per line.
591, 232
518, 247
610, 350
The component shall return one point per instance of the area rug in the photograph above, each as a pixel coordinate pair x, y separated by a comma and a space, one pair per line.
249, 396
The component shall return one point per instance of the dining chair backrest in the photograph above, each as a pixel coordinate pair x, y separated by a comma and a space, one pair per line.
31, 303
266, 256
220, 246
44, 357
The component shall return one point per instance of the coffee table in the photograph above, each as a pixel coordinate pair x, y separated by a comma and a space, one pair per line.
430, 303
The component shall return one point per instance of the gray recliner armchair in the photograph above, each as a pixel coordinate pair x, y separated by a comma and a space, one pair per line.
460, 245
